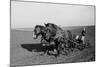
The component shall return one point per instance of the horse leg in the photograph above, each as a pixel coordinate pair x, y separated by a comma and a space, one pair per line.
57, 50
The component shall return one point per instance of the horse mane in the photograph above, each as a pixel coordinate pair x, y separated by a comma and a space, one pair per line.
54, 26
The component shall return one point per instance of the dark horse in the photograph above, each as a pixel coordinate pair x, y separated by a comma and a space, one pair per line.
57, 35
43, 31
52, 29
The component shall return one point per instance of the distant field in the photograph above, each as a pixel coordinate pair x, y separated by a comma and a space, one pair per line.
21, 56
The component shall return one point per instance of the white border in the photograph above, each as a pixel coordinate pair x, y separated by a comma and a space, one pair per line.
5, 32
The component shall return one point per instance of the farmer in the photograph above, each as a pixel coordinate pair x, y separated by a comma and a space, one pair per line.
83, 34
81, 38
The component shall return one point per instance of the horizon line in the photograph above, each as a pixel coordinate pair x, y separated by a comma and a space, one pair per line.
59, 26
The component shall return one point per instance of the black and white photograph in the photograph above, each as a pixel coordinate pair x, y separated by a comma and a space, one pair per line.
51, 33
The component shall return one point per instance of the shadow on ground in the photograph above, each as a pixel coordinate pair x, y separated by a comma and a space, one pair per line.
37, 47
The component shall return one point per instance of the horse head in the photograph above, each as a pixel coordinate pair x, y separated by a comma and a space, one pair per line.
37, 31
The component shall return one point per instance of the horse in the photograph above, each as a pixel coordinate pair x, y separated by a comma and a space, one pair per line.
43, 31
70, 41
40, 30
56, 34
52, 30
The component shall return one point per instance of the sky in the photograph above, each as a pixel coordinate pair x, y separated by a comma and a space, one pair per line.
29, 14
